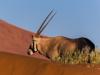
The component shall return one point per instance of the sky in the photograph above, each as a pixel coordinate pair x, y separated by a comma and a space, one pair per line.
74, 18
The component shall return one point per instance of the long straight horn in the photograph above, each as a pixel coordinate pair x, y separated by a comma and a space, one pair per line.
47, 23
38, 31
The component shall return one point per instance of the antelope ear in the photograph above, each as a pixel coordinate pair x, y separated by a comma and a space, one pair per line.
33, 35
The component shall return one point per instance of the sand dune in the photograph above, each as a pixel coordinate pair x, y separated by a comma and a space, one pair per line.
15, 40
14, 60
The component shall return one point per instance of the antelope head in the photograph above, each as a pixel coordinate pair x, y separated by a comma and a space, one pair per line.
37, 39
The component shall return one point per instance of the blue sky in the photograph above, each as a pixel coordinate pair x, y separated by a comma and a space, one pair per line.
74, 18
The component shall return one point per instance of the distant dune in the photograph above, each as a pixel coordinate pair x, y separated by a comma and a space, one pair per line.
97, 49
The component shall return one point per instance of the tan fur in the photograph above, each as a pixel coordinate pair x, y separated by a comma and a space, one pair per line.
53, 47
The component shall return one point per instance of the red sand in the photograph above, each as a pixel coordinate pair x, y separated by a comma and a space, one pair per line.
15, 40
12, 64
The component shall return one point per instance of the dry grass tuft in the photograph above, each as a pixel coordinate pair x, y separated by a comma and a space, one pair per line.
79, 58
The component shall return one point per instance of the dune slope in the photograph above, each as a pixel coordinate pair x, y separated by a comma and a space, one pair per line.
15, 40
14, 60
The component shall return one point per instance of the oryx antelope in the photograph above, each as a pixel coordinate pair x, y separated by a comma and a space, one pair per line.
53, 47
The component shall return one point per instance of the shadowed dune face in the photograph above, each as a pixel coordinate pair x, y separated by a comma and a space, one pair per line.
15, 40
12, 64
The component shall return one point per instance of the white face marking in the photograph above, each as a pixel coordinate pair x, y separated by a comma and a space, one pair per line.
30, 52
35, 48
35, 45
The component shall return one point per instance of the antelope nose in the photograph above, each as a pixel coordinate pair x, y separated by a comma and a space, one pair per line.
29, 52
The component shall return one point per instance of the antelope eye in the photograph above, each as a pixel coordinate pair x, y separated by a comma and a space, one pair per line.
34, 40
